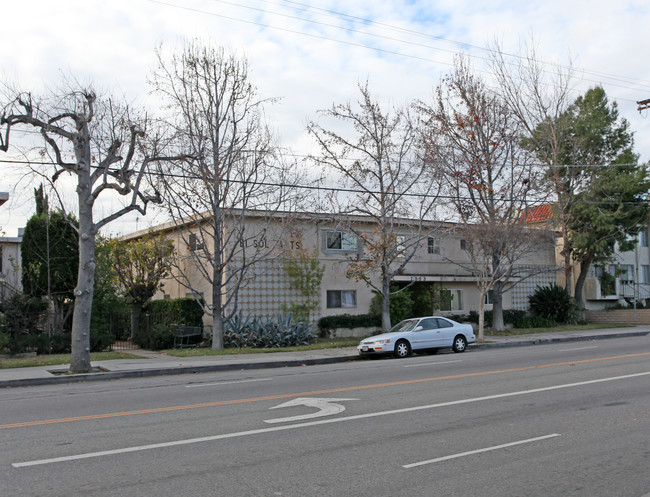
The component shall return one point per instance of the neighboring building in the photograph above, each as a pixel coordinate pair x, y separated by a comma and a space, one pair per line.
619, 283
439, 259
10, 273
622, 281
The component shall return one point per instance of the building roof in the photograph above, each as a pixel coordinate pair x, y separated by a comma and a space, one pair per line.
538, 214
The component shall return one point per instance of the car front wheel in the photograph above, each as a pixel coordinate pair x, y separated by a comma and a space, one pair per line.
460, 344
402, 349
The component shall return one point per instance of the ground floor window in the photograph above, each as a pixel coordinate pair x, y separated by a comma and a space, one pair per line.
341, 298
451, 300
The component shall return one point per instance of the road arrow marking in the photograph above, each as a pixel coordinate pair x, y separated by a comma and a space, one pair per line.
326, 407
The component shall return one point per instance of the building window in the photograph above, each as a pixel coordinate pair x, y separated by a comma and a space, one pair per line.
451, 300
464, 245
400, 246
341, 240
626, 273
643, 238
489, 297
433, 245
196, 243
337, 299
644, 275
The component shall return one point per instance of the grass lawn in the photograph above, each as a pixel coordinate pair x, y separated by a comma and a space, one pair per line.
57, 359
530, 331
320, 343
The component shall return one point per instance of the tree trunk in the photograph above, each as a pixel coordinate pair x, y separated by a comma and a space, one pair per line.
217, 331
567, 264
385, 305
580, 282
481, 318
217, 314
80, 360
136, 313
83, 303
497, 307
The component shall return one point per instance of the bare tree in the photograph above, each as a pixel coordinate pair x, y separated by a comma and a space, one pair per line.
379, 162
236, 170
107, 149
539, 94
473, 137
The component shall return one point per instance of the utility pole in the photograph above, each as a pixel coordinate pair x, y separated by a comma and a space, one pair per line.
643, 104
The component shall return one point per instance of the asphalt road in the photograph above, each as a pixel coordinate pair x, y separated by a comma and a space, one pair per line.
570, 419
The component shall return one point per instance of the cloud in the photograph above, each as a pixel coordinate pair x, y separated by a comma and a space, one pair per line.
403, 52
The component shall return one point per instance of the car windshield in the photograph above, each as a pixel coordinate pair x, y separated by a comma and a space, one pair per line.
406, 325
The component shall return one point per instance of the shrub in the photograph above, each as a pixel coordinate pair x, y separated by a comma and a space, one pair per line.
185, 311
158, 317
101, 341
554, 303
256, 332
400, 304
158, 337
510, 316
4, 340
327, 323
536, 322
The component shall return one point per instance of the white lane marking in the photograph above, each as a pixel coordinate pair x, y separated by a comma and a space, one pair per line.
578, 348
326, 407
429, 364
217, 383
478, 451
322, 421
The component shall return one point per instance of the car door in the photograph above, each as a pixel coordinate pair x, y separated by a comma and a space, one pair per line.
425, 334
445, 332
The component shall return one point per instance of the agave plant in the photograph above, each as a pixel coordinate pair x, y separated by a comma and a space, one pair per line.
256, 332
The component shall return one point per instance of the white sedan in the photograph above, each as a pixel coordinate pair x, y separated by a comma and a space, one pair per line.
419, 334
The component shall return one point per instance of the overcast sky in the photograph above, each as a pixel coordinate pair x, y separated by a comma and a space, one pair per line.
313, 53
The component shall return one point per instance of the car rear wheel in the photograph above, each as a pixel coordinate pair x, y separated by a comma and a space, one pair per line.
460, 344
402, 349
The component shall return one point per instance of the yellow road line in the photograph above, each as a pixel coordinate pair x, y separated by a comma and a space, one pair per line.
305, 394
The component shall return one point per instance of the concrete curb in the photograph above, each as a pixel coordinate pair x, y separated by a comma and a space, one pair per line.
146, 373
180, 370
548, 341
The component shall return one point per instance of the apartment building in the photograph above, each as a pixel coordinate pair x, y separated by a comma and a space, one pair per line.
440, 258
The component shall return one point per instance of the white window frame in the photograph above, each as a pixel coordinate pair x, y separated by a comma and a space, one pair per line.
456, 303
433, 245
349, 241
347, 299
400, 246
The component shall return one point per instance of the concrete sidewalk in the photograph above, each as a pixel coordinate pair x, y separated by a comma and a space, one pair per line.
157, 364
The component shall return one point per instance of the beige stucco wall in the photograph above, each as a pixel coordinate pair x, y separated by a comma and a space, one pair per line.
267, 288
11, 275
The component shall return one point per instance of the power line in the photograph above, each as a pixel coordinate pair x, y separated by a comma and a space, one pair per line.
461, 44
335, 189
361, 45
353, 160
